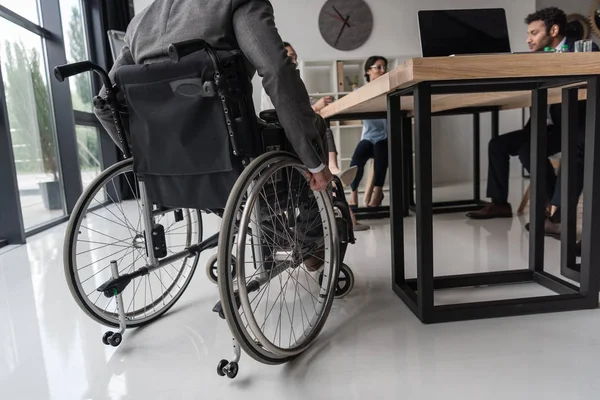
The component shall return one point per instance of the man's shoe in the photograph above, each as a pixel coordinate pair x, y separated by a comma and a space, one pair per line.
492, 210
551, 229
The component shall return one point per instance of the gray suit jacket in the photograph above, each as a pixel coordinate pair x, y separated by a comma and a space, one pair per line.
247, 25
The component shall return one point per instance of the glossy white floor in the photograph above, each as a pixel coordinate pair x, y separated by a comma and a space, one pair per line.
372, 345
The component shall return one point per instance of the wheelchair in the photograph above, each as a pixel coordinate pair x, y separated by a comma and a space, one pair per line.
192, 146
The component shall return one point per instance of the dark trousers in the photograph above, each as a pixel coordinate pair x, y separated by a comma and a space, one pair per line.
517, 143
365, 150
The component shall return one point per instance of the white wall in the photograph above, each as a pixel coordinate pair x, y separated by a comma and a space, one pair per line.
139, 5
395, 33
569, 6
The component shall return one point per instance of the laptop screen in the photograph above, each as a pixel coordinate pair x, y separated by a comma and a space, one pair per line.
478, 31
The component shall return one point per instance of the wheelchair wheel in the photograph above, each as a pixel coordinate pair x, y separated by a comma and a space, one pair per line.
106, 225
345, 282
280, 232
211, 269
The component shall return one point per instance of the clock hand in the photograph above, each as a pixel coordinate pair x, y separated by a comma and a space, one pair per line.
338, 13
340, 18
341, 30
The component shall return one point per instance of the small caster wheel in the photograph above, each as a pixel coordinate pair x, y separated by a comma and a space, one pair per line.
345, 282
115, 339
107, 336
211, 269
233, 369
221, 366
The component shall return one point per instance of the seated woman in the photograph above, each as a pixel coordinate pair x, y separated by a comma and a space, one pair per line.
373, 142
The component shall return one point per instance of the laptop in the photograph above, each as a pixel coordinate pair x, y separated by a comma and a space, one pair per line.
116, 39
459, 32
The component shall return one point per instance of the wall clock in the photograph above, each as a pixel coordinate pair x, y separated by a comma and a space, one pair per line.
578, 27
345, 24
595, 17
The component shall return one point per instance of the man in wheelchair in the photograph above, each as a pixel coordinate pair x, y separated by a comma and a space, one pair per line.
181, 111
250, 28
246, 25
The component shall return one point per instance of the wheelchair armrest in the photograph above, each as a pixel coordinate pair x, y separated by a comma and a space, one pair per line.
269, 116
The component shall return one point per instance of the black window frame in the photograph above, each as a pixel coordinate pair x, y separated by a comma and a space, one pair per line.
99, 16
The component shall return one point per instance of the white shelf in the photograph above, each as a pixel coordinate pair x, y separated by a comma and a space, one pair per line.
318, 64
321, 94
350, 126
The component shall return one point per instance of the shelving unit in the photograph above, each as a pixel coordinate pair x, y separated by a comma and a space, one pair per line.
336, 78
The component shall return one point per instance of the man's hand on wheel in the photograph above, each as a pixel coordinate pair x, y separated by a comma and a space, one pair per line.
320, 180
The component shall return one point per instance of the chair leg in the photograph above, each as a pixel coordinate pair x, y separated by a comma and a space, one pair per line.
525, 199
370, 186
524, 202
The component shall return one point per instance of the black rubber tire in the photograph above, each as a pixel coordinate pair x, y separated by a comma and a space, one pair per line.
227, 299
106, 336
222, 364
71, 235
212, 270
233, 370
115, 340
346, 277
224, 251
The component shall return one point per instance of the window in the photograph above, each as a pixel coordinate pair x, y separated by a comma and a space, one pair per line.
50, 142
32, 128
76, 49
26, 8
88, 149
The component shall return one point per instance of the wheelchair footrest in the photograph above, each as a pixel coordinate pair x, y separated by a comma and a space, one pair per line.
251, 287
115, 286
218, 308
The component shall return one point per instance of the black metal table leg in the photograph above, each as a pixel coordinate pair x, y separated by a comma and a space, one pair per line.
407, 163
568, 209
397, 187
590, 248
476, 157
410, 172
424, 206
539, 115
418, 294
495, 123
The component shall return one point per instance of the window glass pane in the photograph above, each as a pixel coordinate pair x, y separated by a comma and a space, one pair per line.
73, 24
31, 123
88, 146
25, 8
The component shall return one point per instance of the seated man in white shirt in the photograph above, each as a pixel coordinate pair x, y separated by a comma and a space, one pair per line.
346, 176
546, 28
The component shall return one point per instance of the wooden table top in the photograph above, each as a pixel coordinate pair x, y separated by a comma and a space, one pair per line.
373, 96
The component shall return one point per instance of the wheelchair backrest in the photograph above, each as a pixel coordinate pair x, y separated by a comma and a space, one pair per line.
183, 124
